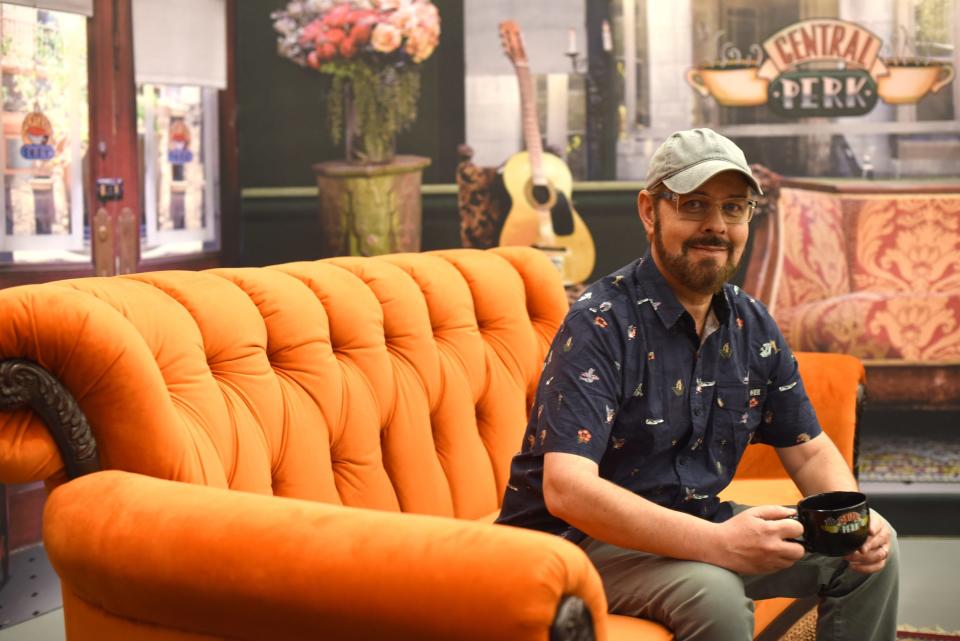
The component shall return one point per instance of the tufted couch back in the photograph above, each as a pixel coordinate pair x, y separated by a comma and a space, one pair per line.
396, 383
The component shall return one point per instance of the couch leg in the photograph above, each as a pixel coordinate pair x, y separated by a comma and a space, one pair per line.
23, 382
573, 621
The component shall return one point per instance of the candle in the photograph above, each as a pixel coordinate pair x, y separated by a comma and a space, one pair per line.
607, 38
571, 41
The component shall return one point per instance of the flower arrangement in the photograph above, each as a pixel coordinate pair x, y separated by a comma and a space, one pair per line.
372, 50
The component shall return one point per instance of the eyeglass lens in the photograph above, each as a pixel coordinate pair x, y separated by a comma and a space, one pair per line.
698, 207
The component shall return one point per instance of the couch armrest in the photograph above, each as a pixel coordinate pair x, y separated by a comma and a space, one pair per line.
834, 383
248, 566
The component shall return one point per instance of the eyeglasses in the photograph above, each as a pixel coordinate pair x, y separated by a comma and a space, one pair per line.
697, 207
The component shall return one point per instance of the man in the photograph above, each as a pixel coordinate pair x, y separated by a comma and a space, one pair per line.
659, 377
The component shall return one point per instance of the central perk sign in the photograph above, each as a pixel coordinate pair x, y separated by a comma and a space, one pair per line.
851, 91
816, 68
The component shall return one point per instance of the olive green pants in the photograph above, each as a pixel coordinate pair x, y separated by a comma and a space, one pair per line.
704, 602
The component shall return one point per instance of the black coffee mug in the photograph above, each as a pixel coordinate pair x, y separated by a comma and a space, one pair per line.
834, 523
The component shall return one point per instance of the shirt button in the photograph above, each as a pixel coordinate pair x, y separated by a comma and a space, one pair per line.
696, 411
682, 460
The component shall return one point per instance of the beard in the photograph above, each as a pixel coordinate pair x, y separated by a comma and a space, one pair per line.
704, 276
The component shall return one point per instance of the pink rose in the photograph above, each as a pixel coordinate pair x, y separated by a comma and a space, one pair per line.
337, 16
310, 32
362, 28
335, 36
429, 20
386, 38
427, 14
326, 51
413, 46
348, 48
420, 44
404, 19
423, 51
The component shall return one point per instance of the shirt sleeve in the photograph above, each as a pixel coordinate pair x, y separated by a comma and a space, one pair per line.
788, 417
579, 388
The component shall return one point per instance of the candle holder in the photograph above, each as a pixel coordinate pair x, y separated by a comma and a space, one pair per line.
577, 64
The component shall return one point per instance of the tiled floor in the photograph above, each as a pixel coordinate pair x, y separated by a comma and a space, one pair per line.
930, 581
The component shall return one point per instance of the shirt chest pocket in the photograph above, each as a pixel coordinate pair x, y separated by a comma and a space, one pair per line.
738, 412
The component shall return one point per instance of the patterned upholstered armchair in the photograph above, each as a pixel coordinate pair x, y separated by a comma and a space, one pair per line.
871, 270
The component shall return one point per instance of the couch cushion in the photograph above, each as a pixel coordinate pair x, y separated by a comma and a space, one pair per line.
623, 628
905, 243
869, 325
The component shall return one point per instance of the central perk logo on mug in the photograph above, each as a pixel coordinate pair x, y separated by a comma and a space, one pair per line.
845, 523
818, 68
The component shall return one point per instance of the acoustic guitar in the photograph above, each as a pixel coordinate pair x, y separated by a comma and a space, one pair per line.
539, 185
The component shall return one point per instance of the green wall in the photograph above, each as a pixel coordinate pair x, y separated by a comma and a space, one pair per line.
281, 106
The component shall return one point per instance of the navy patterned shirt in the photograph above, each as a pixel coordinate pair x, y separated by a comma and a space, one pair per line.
628, 384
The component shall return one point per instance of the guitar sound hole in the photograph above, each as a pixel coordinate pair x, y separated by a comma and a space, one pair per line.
541, 194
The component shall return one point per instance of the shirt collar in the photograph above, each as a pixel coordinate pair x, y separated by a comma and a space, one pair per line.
656, 288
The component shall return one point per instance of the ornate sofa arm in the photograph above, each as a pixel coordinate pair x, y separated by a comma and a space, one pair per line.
26, 384
244, 566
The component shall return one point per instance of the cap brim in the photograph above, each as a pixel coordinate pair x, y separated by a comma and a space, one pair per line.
689, 179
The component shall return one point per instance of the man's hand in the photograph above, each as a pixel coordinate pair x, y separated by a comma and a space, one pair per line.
872, 555
754, 541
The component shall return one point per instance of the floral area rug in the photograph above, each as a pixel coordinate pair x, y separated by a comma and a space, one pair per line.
909, 633
910, 459
805, 629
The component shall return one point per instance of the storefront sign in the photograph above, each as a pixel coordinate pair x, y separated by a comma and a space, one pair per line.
36, 133
822, 68
179, 143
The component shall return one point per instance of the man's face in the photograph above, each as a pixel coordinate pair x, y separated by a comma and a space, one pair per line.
699, 255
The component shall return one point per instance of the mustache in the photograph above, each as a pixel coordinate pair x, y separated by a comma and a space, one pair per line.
708, 240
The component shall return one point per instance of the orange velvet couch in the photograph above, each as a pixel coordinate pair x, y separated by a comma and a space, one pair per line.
311, 450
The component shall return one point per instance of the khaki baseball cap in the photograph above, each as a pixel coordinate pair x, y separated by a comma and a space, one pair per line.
689, 158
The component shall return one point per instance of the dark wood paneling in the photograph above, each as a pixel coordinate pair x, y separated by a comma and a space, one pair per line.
25, 510
230, 150
113, 128
13, 275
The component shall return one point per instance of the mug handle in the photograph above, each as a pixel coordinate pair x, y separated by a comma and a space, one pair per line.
801, 541
945, 78
695, 80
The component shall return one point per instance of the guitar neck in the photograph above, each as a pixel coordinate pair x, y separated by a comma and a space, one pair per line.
531, 127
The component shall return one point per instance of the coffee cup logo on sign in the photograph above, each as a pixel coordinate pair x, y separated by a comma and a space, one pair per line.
817, 68
910, 79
